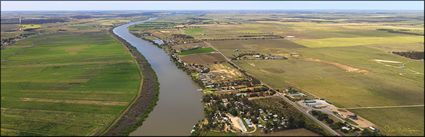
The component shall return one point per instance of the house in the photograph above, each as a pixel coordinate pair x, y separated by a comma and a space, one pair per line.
372, 128
316, 103
249, 123
353, 116
261, 111
296, 95
309, 101
345, 128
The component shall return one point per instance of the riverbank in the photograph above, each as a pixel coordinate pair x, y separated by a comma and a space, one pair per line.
143, 104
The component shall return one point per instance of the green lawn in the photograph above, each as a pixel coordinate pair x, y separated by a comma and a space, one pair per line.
65, 84
196, 51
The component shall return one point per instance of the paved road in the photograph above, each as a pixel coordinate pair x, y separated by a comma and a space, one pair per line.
323, 125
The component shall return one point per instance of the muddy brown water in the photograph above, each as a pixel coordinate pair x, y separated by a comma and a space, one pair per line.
179, 106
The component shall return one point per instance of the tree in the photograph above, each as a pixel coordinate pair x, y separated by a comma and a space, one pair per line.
233, 112
322, 117
339, 125
254, 120
329, 121
367, 132
314, 113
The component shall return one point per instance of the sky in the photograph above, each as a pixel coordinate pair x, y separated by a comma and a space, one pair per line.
210, 5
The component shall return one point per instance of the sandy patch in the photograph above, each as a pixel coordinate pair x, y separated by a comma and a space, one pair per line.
341, 66
225, 70
386, 61
236, 123
252, 64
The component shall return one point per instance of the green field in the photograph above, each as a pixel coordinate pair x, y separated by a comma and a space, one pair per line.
196, 51
340, 42
396, 121
227, 47
194, 31
65, 84
84, 26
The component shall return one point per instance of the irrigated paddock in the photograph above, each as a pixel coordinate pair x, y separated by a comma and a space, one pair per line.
65, 84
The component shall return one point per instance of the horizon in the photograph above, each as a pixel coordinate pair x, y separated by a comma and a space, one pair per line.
210, 5
217, 10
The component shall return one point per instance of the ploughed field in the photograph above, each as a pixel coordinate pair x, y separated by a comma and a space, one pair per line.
65, 83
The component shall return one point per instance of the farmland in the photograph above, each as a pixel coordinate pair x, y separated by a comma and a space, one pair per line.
204, 59
338, 42
196, 51
65, 84
404, 124
227, 47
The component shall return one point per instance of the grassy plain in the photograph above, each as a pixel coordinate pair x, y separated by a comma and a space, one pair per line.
65, 84
227, 47
396, 121
357, 41
194, 31
204, 59
381, 85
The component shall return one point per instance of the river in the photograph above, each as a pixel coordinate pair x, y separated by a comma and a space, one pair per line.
179, 106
